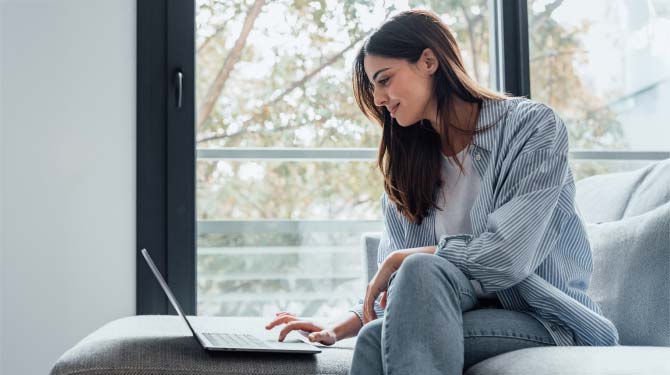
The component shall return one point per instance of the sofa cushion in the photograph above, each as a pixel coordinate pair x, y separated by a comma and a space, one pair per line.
162, 344
578, 360
631, 276
613, 196
370, 249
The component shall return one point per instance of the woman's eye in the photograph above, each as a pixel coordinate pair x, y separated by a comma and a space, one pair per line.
383, 81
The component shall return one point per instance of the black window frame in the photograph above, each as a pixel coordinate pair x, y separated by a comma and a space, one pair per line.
166, 154
166, 147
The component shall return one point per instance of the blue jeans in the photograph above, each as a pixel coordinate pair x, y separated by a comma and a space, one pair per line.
435, 324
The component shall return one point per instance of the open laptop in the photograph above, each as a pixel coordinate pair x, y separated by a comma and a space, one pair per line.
222, 341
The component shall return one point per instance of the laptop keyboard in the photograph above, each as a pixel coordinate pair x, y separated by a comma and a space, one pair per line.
232, 340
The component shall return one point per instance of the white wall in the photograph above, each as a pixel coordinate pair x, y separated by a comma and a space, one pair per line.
67, 173
2, 209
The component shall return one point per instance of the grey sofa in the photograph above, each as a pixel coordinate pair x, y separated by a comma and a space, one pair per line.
628, 220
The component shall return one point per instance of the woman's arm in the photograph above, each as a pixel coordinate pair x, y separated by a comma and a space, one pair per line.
347, 327
402, 254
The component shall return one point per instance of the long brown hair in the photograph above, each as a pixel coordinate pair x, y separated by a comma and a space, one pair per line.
410, 157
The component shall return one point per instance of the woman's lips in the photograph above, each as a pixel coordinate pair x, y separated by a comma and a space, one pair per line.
394, 110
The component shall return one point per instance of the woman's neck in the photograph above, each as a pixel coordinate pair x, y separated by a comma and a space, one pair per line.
464, 116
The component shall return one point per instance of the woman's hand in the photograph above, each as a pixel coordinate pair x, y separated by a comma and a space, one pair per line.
318, 333
378, 286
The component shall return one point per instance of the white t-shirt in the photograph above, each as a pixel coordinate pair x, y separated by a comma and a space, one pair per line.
455, 200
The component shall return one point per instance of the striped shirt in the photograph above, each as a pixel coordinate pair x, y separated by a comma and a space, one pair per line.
456, 196
528, 243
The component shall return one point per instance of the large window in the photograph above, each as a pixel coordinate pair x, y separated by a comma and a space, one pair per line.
257, 173
286, 174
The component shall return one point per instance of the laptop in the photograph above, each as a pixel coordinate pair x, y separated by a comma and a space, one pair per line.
228, 341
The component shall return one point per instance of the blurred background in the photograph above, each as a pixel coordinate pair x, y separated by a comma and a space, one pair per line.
286, 169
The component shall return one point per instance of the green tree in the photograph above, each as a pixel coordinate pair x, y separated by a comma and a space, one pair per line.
555, 52
297, 93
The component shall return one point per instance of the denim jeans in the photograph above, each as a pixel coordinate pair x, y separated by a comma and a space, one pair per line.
435, 324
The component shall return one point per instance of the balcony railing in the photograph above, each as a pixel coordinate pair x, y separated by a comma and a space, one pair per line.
343, 154
355, 227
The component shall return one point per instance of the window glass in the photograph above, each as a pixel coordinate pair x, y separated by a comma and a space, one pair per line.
605, 67
277, 231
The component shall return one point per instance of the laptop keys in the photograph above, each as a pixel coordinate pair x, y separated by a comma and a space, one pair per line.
233, 340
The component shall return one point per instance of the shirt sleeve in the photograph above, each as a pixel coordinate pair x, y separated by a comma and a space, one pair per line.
391, 231
531, 180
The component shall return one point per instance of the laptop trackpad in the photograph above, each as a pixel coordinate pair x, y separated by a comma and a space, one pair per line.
291, 343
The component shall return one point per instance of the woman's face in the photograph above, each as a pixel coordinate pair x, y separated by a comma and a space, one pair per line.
404, 88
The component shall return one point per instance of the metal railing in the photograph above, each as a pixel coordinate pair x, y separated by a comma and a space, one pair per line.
370, 154
356, 227
285, 226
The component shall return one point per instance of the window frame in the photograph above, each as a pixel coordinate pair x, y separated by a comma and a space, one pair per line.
166, 154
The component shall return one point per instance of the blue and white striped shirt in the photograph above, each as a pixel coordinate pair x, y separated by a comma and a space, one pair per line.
529, 244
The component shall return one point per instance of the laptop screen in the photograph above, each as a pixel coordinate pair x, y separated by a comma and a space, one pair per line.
166, 288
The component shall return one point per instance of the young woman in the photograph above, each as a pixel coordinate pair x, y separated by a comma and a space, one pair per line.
483, 251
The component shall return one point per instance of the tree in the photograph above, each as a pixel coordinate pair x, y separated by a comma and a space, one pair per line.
555, 52
296, 92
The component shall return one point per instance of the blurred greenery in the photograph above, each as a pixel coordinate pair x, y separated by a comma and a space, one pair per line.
556, 51
285, 81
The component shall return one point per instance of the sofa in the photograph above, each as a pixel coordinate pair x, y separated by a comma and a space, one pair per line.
627, 217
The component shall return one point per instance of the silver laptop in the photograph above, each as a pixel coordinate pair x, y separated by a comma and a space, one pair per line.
221, 341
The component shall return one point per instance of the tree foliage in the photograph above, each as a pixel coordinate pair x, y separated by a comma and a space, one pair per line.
278, 74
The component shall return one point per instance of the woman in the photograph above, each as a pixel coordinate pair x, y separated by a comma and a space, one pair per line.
483, 251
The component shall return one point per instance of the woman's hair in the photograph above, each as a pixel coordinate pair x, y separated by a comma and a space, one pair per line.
410, 157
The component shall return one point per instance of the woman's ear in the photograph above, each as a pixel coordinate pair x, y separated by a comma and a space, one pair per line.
428, 62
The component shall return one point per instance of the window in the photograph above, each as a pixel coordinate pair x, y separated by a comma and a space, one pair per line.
286, 171
256, 172
605, 67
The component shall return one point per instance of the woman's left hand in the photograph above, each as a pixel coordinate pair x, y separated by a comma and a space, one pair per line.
378, 285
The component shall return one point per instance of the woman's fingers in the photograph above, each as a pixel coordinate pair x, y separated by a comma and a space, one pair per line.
303, 325
369, 315
281, 319
366, 303
368, 306
326, 337
382, 303
312, 331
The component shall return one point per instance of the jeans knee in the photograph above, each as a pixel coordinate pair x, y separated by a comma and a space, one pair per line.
419, 266
420, 261
426, 268
371, 332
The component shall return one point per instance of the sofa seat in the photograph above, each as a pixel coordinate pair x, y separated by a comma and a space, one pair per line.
578, 360
163, 344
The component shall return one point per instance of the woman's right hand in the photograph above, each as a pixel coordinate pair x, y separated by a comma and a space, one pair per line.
316, 332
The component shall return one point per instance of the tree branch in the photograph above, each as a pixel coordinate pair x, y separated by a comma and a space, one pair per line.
311, 74
257, 115
299, 83
233, 57
545, 14
219, 29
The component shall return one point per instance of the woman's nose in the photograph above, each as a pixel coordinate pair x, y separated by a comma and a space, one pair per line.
379, 100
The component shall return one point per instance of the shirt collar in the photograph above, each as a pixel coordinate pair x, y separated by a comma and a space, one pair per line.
492, 112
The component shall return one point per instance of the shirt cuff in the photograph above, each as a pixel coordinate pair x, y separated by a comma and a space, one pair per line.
358, 310
454, 248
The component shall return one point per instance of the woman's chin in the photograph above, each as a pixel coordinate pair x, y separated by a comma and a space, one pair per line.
404, 124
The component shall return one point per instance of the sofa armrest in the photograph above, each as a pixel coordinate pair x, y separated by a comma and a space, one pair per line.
370, 241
